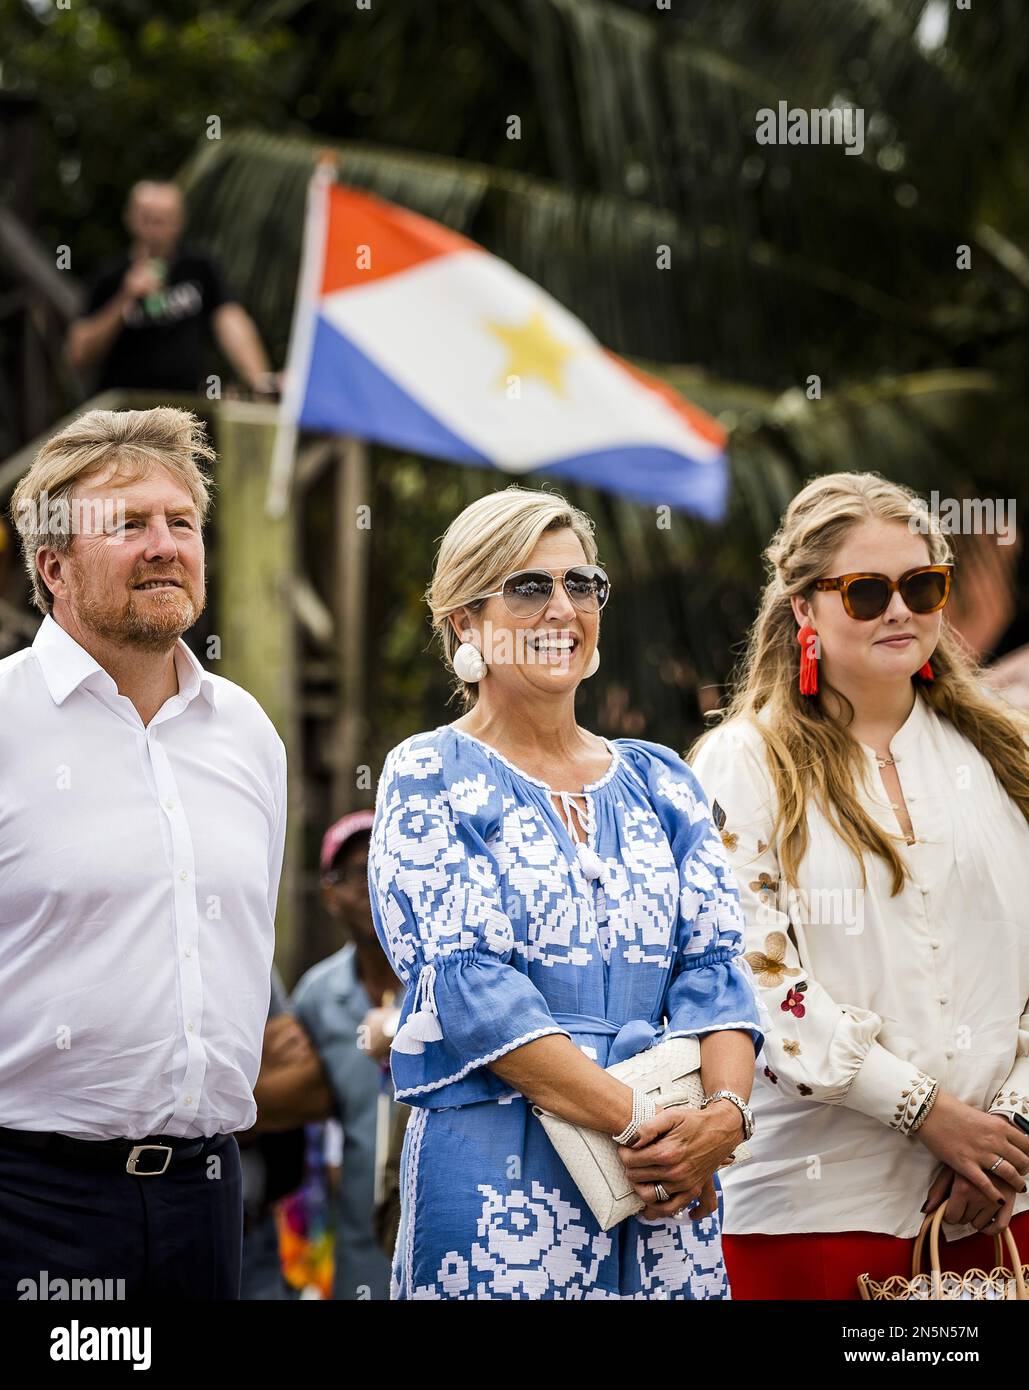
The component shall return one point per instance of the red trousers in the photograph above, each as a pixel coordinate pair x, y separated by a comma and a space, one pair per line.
817, 1265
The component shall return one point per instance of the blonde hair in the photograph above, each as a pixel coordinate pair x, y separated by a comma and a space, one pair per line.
135, 441
810, 756
490, 539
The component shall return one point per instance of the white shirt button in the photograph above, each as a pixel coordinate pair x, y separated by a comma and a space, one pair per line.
170, 803
189, 1100
183, 874
188, 951
944, 998
935, 943
189, 1026
949, 1053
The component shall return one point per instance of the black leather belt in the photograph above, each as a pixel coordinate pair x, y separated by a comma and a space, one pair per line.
144, 1158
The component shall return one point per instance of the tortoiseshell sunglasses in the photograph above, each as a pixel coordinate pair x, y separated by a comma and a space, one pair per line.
924, 589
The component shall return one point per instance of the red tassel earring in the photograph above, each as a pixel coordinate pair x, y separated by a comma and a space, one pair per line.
926, 672
808, 639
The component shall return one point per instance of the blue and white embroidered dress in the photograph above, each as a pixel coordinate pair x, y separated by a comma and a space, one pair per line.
505, 929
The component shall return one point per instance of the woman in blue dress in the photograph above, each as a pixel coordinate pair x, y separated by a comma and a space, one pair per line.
554, 902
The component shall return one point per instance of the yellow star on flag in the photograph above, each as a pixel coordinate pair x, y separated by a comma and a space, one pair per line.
533, 351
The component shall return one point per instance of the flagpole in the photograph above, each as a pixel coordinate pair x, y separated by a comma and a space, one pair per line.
298, 356
352, 564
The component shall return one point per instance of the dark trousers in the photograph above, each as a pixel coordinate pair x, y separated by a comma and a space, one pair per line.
175, 1236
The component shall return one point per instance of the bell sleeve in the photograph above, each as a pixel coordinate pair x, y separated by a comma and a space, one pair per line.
816, 1049
710, 988
438, 911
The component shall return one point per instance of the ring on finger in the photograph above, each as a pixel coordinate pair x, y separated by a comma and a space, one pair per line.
994, 1166
661, 1193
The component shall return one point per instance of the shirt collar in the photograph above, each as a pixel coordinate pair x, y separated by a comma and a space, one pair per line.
66, 665
346, 980
913, 728
915, 724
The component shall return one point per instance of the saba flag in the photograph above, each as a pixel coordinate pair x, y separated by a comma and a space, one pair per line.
408, 334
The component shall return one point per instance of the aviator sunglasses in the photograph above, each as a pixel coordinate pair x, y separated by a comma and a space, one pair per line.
527, 592
924, 589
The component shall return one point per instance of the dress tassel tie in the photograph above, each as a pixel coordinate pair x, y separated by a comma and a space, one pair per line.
422, 1024
589, 860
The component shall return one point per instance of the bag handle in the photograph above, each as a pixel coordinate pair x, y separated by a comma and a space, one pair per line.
932, 1223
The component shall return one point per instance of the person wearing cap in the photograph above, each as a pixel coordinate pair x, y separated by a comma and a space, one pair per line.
346, 1004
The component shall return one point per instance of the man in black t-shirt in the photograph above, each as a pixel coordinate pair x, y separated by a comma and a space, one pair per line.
150, 316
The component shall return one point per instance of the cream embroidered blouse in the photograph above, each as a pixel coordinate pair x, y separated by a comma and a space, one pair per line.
874, 996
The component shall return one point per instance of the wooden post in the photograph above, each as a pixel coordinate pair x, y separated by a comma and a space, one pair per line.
255, 623
352, 555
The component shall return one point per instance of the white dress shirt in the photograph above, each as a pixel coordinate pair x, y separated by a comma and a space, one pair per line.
139, 870
874, 996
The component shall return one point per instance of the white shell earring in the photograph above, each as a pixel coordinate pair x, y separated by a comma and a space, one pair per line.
593, 665
468, 663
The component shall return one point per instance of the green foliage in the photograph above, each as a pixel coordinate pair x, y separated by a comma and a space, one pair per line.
637, 130
125, 94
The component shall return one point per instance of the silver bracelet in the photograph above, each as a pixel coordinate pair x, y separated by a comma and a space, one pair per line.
643, 1109
740, 1104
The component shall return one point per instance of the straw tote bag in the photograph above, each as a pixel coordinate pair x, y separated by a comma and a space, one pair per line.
670, 1075
998, 1284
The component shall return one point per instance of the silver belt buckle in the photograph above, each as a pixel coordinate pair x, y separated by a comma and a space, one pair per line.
133, 1159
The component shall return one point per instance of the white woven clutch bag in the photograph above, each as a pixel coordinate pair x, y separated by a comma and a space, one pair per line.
670, 1075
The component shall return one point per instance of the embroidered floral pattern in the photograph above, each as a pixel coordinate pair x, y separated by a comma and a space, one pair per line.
911, 1101
794, 1001
662, 1247
766, 885
678, 792
791, 1047
479, 897
769, 965
1011, 1100
771, 1076
729, 840
559, 926
535, 1244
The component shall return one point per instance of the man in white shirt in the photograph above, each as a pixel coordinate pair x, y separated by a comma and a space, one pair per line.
142, 821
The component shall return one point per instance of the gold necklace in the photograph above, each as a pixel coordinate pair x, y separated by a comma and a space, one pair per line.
888, 761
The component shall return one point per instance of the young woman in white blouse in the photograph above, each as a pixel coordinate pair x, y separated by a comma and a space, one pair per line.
874, 798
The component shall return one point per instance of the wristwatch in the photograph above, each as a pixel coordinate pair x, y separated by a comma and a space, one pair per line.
740, 1104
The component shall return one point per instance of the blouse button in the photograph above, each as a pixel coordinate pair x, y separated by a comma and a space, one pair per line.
935, 943
944, 998
949, 1053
